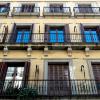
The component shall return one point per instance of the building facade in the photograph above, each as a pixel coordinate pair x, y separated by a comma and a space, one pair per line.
51, 47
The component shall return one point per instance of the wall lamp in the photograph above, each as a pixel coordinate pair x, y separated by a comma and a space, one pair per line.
29, 50
87, 49
69, 50
5, 51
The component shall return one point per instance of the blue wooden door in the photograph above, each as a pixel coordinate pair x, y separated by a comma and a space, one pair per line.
26, 37
60, 36
19, 37
23, 37
53, 36
95, 36
56, 36
91, 36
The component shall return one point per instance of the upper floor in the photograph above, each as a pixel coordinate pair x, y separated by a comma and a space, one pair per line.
56, 35
50, 8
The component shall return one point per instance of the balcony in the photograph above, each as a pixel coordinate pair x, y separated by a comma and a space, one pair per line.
86, 11
18, 11
4, 11
45, 39
50, 88
56, 11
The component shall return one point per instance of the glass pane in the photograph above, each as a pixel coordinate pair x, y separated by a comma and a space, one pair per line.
20, 71
10, 71
3, 9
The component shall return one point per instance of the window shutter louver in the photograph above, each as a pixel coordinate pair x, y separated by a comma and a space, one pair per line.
13, 34
67, 35
98, 32
5, 33
3, 71
32, 33
46, 35
26, 72
82, 32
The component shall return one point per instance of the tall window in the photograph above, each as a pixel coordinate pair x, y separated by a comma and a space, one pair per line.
13, 73
4, 8
85, 8
58, 73
28, 7
21, 33
56, 34
56, 8
91, 35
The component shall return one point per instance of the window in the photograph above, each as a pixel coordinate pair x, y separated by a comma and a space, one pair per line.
56, 8
59, 34
91, 34
28, 7
85, 8
4, 8
21, 33
58, 73
13, 73
56, 34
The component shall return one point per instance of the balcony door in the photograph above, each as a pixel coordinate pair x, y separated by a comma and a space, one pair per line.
4, 8
13, 73
27, 8
23, 36
56, 35
85, 8
56, 8
58, 76
14, 76
91, 35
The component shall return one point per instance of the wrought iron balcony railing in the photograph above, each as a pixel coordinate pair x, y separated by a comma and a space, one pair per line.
64, 11
44, 38
78, 11
61, 88
20, 11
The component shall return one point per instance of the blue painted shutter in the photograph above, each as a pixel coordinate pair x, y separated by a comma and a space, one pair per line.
19, 37
26, 37
60, 36
52, 36
95, 36
88, 38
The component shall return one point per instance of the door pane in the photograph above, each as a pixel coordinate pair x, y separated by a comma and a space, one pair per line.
19, 37
88, 38
53, 36
91, 36
26, 36
95, 36
60, 36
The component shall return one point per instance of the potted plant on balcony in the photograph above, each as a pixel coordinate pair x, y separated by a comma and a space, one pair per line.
26, 93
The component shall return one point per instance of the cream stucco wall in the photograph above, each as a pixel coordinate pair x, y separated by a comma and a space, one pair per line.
38, 57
